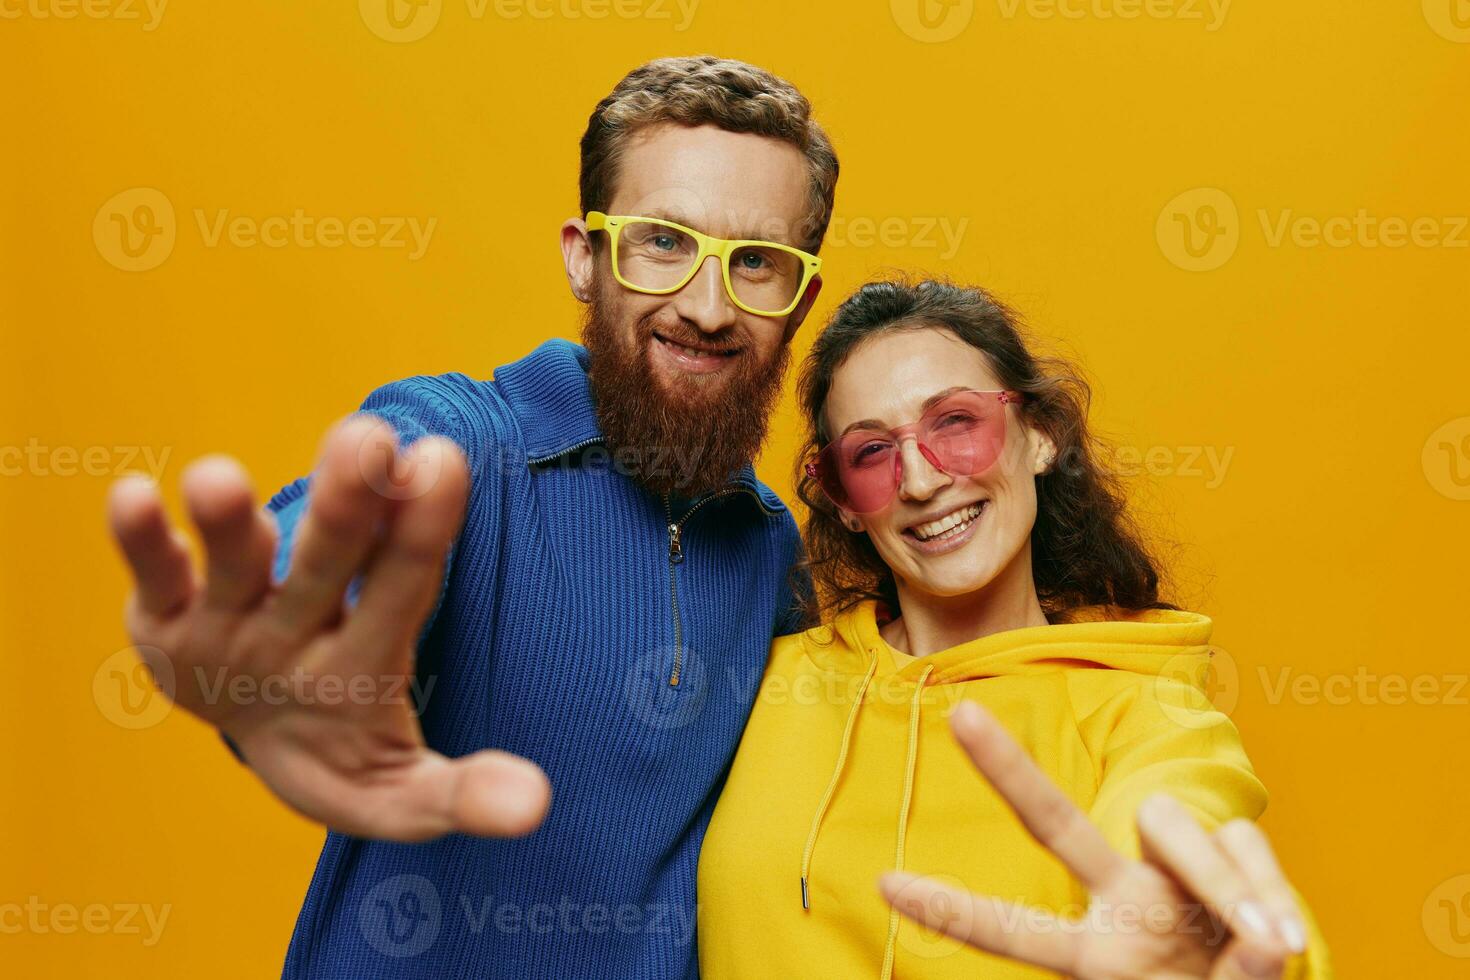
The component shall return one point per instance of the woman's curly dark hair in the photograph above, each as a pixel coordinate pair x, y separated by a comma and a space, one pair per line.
1086, 548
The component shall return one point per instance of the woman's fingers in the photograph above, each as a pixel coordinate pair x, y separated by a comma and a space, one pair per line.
239, 539
1014, 931
1175, 841
154, 551
1244, 960
1245, 844
1045, 810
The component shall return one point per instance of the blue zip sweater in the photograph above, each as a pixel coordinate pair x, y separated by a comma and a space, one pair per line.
615, 638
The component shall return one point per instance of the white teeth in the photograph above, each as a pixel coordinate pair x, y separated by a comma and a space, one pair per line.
949, 525
694, 352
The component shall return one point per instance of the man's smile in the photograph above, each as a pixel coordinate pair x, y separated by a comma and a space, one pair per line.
695, 358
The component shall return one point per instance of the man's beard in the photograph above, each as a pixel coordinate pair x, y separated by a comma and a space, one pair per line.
691, 439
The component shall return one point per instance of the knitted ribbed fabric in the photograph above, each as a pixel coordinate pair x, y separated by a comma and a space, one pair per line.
564, 618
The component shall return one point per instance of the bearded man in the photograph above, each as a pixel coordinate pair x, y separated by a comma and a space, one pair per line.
571, 569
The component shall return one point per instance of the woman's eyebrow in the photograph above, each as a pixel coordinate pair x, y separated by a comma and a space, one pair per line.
929, 402
865, 424
939, 396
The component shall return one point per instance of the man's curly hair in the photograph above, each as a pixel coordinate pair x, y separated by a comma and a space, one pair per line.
706, 90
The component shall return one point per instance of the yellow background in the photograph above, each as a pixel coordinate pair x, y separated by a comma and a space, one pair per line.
1333, 543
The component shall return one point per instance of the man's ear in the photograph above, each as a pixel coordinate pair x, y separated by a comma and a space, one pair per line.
803, 307
577, 255
1043, 451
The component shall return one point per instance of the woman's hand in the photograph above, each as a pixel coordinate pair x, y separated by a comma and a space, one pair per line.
1197, 905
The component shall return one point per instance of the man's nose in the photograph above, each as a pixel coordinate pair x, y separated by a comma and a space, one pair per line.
703, 300
919, 479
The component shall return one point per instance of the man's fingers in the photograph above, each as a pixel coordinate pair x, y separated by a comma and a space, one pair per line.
496, 794
1047, 813
156, 553
1029, 935
1245, 845
403, 576
239, 539
343, 516
1177, 842
489, 794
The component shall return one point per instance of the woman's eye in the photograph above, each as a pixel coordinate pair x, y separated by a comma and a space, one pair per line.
958, 418
869, 453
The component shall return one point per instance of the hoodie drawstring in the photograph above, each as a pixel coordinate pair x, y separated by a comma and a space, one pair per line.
903, 813
811, 840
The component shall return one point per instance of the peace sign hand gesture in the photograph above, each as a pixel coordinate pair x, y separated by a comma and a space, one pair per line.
1197, 905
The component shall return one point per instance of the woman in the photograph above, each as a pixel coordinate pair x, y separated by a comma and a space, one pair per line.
981, 574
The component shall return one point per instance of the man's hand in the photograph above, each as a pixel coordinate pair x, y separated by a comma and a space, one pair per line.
353, 758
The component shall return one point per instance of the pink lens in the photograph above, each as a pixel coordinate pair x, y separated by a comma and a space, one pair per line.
962, 435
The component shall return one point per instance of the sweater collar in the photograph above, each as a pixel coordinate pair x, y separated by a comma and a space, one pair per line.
551, 398
548, 393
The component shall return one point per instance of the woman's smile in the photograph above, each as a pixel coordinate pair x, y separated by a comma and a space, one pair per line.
947, 532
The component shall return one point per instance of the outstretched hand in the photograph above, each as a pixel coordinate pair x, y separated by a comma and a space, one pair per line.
338, 739
1197, 905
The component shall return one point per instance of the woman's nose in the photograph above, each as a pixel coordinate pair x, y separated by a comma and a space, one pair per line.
919, 478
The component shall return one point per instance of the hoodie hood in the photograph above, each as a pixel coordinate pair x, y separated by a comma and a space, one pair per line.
1148, 642
1145, 641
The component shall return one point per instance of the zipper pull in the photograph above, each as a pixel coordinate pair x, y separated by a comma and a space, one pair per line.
676, 550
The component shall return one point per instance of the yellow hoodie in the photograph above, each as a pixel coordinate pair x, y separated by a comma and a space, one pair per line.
847, 769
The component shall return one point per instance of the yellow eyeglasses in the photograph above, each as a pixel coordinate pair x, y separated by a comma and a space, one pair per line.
650, 255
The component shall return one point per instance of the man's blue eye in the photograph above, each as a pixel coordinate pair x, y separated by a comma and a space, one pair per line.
664, 242
752, 261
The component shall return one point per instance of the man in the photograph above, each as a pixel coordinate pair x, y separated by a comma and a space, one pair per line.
614, 575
